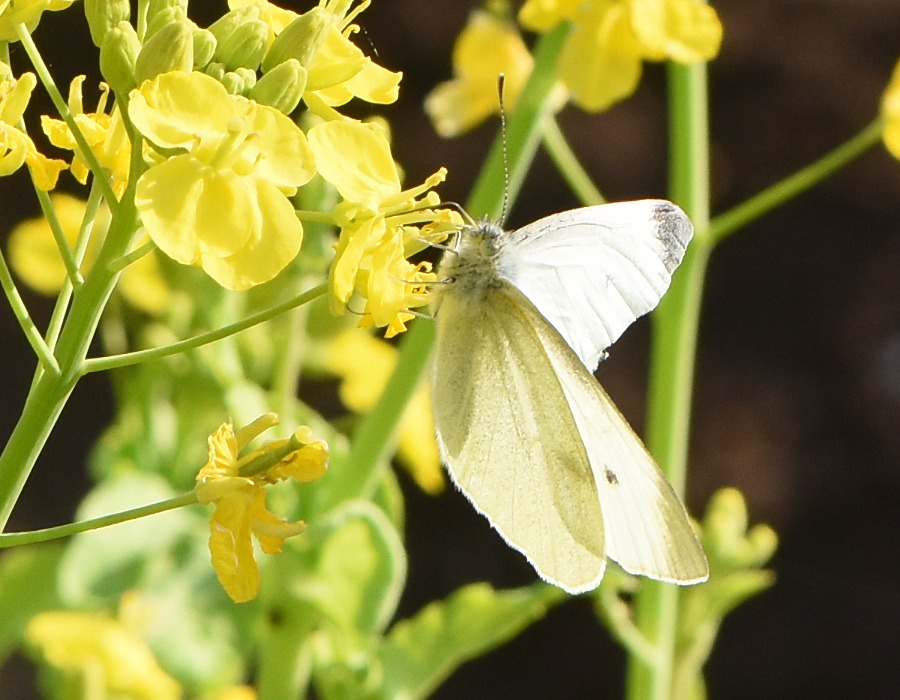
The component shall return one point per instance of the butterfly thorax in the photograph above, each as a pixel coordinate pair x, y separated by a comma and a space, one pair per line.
475, 266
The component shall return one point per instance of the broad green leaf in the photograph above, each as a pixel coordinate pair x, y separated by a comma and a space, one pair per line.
421, 652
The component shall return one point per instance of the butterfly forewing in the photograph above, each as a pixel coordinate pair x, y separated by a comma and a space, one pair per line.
592, 271
514, 450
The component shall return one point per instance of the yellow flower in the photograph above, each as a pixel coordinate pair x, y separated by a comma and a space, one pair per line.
221, 203
35, 257
601, 59
105, 134
890, 112
16, 147
109, 656
488, 46
337, 71
27, 12
364, 365
236, 486
379, 228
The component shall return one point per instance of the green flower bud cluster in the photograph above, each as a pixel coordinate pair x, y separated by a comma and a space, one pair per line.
232, 50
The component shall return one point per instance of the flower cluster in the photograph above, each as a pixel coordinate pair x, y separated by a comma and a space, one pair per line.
236, 486
600, 62
216, 116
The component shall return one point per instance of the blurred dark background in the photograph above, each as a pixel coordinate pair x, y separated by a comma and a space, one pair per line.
798, 382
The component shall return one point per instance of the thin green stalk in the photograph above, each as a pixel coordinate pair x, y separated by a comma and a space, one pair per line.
20, 311
569, 166
524, 131
672, 362
13, 539
799, 182
50, 392
34, 55
99, 364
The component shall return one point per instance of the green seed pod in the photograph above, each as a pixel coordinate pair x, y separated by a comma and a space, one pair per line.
301, 40
118, 57
171, 48
282, 87
103, 15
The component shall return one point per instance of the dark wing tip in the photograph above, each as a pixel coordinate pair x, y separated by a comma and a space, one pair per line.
674, 230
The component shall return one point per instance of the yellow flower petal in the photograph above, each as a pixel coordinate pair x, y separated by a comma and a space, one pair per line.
686, 31
232, 547
890, 111
356, 159
601, 60
115, 658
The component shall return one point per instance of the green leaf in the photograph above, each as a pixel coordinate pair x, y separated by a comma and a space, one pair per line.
421, 652
27, 578
354, 569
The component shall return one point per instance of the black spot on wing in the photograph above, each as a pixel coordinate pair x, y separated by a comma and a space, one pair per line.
674, 230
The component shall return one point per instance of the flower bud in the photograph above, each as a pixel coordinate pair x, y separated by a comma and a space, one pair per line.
171, 48
282, 87
233, 83
103, 15
156, 7
245, 46
204, 47
301, 40
118, 56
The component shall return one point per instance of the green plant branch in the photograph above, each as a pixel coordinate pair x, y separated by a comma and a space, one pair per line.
569, 166
56, 97
14, 539
795, 184
524, 131
99, 364
673, 356
32, 334
136, 254
73, 274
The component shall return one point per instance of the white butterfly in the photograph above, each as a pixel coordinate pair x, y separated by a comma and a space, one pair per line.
526, 432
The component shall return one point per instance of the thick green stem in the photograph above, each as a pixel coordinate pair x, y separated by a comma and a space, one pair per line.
672, 361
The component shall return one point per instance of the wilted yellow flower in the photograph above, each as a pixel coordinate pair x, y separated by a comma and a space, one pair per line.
890, 112
365, 364
112, 659
105, 134
235, 485
488, 46
35, 257
27, 12
601, 60
379, 228
221, 203
16, 147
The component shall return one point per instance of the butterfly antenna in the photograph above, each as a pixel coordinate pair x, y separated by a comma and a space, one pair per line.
501, 80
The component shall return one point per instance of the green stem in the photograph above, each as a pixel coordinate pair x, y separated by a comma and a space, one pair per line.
50, 392
673, 355
56, 97
99, 364
569, 166
375, 437
32, 335
524, 131
799, 182
13, 539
